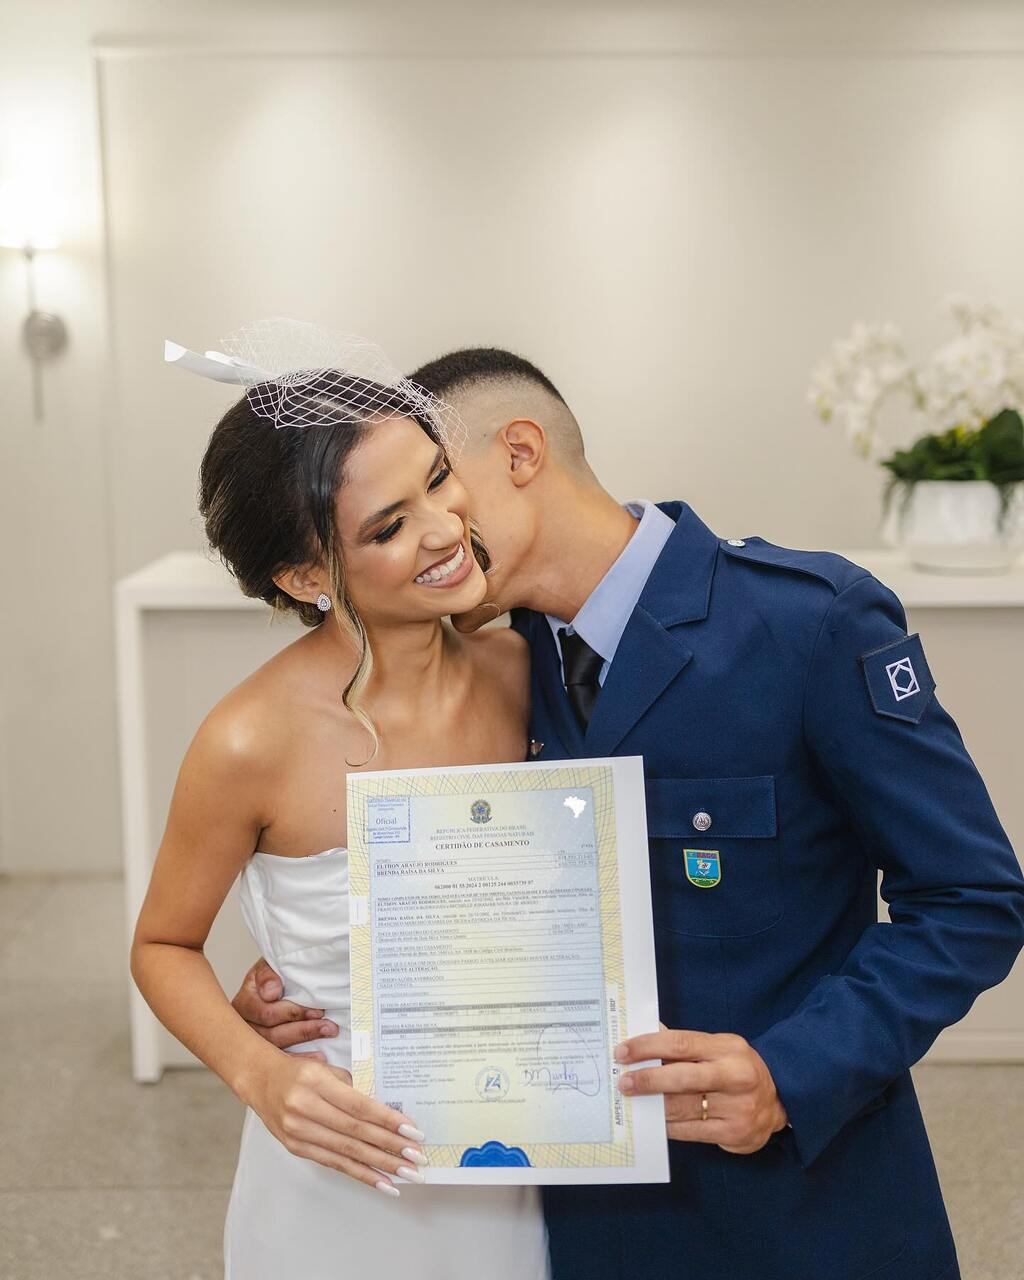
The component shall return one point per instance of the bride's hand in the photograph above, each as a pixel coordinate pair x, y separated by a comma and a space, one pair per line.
313, 1110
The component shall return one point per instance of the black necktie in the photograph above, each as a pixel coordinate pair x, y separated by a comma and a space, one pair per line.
581, 666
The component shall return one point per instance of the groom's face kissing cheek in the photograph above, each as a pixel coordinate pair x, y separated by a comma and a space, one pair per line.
403, 518
499, 462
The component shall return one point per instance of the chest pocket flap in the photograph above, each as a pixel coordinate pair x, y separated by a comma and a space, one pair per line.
738, 808
732, 821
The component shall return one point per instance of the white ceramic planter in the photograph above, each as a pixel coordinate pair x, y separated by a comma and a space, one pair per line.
953, 526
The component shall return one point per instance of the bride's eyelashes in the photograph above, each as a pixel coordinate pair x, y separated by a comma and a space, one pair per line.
387, 534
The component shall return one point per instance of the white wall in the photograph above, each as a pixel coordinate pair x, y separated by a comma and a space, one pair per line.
673, 239
58, 798
675, 236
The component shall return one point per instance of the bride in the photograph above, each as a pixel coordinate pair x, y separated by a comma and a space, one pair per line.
331, 496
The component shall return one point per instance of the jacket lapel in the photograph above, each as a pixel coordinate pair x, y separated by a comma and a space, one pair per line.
646, 662
651, 654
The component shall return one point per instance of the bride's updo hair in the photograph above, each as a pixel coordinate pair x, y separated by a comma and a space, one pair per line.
267, 495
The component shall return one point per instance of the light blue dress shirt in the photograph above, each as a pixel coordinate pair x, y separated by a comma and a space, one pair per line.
606, 611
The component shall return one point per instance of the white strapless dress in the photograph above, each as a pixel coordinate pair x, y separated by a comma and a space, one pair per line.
292, 1217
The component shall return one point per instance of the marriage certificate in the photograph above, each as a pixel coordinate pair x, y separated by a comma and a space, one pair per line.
501, 946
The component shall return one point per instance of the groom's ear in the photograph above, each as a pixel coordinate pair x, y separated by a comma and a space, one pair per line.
526, 446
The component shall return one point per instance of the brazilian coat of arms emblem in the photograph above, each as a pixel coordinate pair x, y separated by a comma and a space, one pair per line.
480, 811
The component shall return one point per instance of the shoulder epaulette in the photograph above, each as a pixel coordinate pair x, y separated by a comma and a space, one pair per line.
837, 571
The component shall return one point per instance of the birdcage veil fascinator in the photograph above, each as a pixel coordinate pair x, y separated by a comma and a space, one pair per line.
299, 375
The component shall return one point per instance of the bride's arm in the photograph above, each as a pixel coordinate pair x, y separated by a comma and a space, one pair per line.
213, 825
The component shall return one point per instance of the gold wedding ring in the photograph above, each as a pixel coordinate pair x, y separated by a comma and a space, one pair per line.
703, 1106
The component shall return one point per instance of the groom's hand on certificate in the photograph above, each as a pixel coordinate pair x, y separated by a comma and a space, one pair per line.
743, 1108
282, 1022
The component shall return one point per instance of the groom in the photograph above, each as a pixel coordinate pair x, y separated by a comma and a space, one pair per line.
793, 746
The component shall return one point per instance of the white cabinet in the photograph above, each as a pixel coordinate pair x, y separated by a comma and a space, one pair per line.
186, 635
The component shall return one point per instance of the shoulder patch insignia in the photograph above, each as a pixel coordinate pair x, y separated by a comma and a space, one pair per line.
898, 679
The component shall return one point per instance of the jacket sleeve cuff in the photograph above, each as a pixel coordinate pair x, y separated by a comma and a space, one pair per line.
816, 1108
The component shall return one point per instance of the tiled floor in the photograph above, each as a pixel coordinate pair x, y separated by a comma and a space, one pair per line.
103, 1179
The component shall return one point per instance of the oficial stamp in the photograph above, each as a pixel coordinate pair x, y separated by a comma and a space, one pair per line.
387, 820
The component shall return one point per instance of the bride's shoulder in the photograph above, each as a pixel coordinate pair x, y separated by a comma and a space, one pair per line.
240, 731
252, 722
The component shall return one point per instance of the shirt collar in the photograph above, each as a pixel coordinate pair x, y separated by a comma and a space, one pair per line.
606, 611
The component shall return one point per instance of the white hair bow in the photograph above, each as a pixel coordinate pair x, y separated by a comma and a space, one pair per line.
212, 364
298, 375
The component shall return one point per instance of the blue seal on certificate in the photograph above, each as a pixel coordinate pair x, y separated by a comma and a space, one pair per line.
495, 1155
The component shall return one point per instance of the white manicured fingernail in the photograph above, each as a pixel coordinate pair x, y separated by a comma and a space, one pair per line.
388, 1189
410, 1175
417, 1157
410, 1131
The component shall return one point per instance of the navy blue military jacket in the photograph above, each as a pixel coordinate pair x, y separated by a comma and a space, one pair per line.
777, 693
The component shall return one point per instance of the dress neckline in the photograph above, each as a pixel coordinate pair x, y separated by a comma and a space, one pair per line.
301, 857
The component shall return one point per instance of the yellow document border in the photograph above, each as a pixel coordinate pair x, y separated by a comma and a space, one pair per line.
618, 1153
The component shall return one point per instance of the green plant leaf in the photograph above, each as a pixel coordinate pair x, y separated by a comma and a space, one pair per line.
995, 453
1001, 448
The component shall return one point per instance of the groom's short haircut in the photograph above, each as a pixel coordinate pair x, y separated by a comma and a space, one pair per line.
479, 364
473, 367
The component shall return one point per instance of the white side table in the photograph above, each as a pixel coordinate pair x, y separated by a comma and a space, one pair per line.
920, 590
186, 634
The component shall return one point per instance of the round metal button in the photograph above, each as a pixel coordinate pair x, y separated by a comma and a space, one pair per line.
702, 820
736, 542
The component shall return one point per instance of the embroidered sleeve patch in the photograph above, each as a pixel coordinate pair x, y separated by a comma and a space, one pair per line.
898, 679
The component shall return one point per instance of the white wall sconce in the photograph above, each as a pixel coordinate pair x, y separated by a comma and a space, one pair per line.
44, 334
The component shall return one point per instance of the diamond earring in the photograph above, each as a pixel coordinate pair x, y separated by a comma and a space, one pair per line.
323, 603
